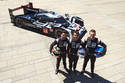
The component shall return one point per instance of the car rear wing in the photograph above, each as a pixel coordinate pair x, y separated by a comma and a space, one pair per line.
28, 8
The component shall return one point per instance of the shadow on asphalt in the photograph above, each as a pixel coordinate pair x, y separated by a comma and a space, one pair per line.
77, 77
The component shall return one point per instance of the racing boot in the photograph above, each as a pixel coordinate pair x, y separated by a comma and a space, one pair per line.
70, 70
82, 72
57, 70
92, 75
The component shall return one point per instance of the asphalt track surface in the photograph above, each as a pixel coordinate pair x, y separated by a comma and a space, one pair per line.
24, 55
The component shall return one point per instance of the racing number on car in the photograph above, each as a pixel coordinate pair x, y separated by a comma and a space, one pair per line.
45, 30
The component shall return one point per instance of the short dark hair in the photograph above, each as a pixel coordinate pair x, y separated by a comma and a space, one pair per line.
76, 32
64, 32
93, 30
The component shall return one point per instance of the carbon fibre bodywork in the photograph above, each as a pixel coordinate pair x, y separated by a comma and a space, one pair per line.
48, 22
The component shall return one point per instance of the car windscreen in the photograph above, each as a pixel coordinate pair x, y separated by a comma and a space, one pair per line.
60, 20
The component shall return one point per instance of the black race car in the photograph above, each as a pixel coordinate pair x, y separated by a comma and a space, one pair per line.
48, 22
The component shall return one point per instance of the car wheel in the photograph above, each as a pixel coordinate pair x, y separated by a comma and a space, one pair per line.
18, 22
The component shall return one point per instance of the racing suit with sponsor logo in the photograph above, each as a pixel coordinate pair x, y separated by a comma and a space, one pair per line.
90, 46
73, 48
62, 44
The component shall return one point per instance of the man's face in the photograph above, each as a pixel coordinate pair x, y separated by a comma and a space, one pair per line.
75, 36
63, 36
92, 35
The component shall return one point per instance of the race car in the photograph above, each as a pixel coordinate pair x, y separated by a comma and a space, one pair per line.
47, 22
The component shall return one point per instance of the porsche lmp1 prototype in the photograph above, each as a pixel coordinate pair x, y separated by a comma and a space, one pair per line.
48, 22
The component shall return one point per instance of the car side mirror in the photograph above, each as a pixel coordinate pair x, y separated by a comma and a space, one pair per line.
67, 15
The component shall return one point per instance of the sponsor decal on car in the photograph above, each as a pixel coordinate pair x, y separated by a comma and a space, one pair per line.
45, 30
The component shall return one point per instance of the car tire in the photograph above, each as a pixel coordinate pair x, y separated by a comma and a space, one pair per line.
18, 22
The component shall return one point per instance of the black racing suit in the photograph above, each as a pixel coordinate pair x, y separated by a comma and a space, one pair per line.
90, 46
73, 48
62, 44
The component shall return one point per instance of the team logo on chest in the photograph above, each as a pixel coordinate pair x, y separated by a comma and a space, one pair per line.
75, 45
91, 44
63, 44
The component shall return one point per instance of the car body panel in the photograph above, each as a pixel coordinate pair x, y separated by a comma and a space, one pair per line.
48, 22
